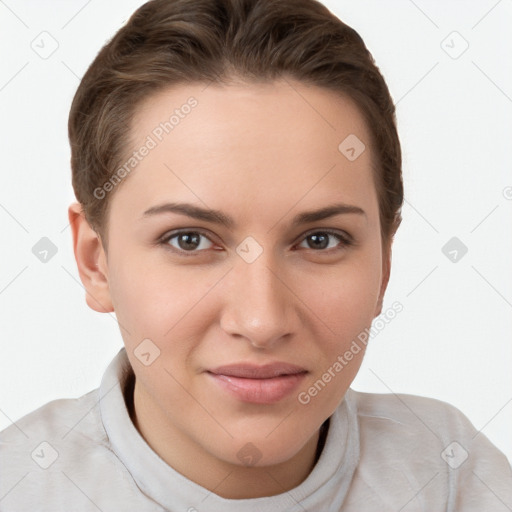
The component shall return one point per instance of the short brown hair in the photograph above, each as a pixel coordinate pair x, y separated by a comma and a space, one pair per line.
169, 42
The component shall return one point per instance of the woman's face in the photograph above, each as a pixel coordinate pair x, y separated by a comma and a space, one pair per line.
262, 281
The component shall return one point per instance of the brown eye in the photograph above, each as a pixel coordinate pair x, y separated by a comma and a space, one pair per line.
188, 241
326, 240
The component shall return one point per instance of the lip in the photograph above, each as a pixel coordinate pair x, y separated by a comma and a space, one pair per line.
265, 384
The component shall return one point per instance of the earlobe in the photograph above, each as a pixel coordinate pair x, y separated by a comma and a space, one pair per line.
91, 261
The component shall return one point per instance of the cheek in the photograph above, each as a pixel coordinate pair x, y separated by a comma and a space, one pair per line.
154, 301
343, 307
344, 300
142, 296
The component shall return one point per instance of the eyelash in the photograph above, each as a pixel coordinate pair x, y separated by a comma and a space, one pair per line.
345, 240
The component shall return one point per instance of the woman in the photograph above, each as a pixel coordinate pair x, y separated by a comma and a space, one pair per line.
238, 176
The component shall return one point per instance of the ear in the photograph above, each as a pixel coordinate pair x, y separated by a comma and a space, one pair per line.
91, 260
386, 270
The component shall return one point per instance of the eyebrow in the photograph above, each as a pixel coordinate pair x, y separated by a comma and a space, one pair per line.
218, 217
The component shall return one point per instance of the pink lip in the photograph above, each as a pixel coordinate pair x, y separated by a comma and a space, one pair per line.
258, 384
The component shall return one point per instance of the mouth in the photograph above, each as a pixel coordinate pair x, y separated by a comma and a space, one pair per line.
265, 384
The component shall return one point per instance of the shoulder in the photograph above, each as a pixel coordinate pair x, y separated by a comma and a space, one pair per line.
412, 412
50, 453
417, 443
410, 424
53, 435
56, 419
59, 454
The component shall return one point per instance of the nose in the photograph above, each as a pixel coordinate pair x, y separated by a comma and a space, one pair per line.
258, 305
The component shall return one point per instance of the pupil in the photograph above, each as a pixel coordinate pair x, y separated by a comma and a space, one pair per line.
191, 240
322, 239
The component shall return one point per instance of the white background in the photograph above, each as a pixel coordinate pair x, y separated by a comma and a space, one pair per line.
452, 341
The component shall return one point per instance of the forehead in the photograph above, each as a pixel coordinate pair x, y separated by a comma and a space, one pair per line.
275, 142
248, 116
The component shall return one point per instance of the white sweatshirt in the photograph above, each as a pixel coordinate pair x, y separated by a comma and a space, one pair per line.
383, 452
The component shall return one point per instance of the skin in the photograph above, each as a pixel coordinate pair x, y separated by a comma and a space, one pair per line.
260, 153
